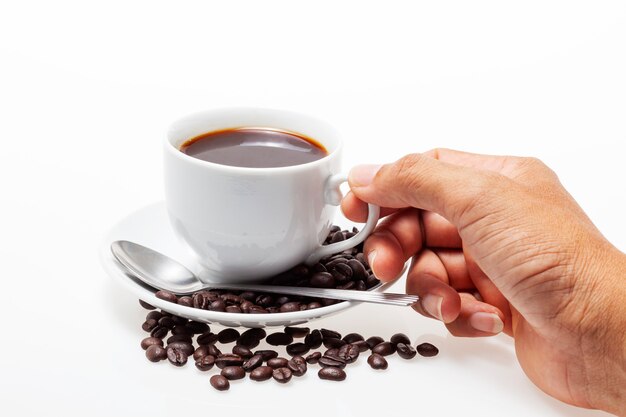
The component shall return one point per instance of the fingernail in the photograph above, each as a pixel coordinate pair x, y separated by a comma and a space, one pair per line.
486, 322
362, 175
370, 260
432, 304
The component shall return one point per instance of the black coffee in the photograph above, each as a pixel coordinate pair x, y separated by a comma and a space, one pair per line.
254, 148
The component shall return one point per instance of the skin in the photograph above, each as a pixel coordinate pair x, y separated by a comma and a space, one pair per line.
498, 245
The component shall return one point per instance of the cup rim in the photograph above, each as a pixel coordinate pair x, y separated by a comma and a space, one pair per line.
177, 153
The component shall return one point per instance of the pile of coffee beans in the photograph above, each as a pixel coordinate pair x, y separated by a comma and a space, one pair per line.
236, 353
346, 270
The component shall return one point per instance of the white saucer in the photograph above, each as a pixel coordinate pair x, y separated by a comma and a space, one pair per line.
150, 227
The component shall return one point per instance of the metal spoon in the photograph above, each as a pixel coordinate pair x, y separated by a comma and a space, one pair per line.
163, 273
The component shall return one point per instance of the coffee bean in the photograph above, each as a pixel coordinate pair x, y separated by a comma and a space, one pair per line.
248, 295
330, 334
384, 349
228, 335
219, 382
322, 280
217, 305
333, 342
207, 338
242, 351
262, 373
427, 350
349, 353
362, 345
332, 352
257, 333
234, 309
155, 353
213, 350
352, 337
297, 332
250, 338
277, 362
337, 237
229, 298
181, 330
400, 338
200, 352
297, 349
146, 305
290, 306
332, 374
267, 354
314, 339
167, 296
347, 286
148, 325
205, 363
312, 305
176, 356
318, 267
167, 322
233, 372
200, 300
228, 360
373, 341
313, 358
179, 338
149, 341
298, 366
185, 301
159, 331
358, 270
326, 362
405, 351
282, 375
279, 339
377, 361
257, 310
254, 362
196, 327
154, 315
186, 348
371, 281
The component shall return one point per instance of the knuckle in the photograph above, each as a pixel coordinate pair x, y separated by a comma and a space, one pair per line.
407, 170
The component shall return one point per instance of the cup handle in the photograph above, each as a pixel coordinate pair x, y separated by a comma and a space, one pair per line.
333, 196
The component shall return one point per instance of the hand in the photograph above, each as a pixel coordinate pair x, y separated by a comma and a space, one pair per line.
497, 244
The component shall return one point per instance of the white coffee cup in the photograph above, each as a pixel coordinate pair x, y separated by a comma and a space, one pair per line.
247, 224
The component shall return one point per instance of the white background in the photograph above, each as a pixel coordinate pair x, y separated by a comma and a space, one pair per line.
87, 90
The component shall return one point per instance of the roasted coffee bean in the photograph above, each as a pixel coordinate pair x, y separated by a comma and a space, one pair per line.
273, 309
248, 295
377, 361
180, 320
332, 374
349, 353
334, 229
297, 349
228, 335
405, 351
330, 334
427, 350
331, 352
314, 339
361, 258
313, 358
257, 310
264, 300
279, 339
332, 264
245, 306
196, 327
200, 352
205, 362
149, 341
267, 354
146, 305
297, 364
384, 349
358, 270
333, 342
200, 300
312, 305
326, 362
228, 360
167, 296
282, 375
233, 372
179, 338
257, 332
229, 298
362, 345
371, 281
213, 350
186, 348
352, 337
219, 382
159, 331
373, 341
207, 338
262, 373
347, 286
297, 332
280, 300
337, 237
322, 280
156, 353
327, 301
277, 362
233, 309
154, 315
360, 285
290, 306
217, 305
254, 362
318, 267
400, 338
342, 272
176, 356
167, 322
185, 301
181, 330
242, 351
149, 325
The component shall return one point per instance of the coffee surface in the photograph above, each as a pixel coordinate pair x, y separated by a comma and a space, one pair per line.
254, 148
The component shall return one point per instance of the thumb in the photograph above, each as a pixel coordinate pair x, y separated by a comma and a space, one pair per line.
420, 181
